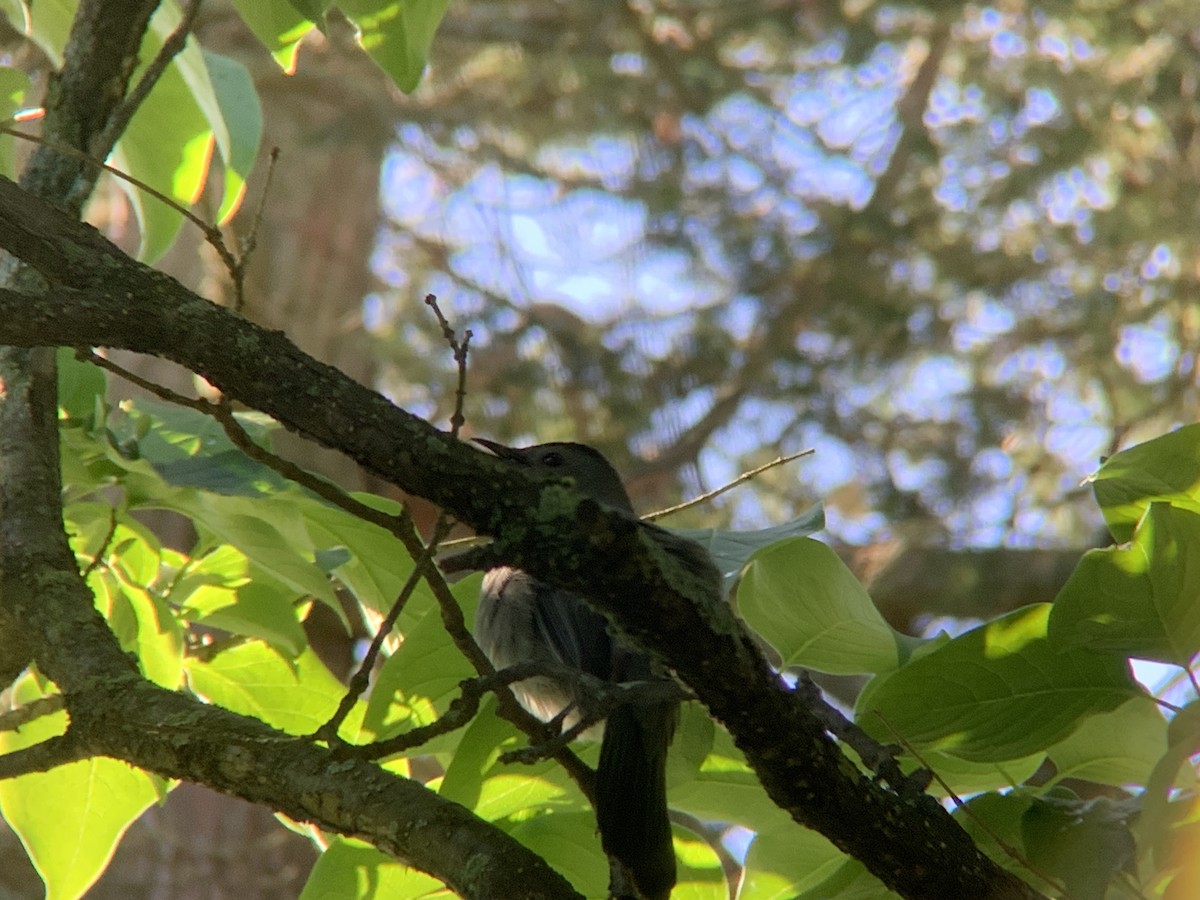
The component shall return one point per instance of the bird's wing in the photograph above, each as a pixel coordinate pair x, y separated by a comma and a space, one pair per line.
576, 634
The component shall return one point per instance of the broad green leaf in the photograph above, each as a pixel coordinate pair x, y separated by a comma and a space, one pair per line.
1120, 747
699, 876
79, 385
1085, 843
804, 601
851, 882
353, 870
1159, 819
475, 778
1140, 599
229, 100
378, 565
297, 697
725, 789
397, 35
419, 680
1000, 691
225, 590
569, 842
278, 24
14, 89
731, 550
197, 99
1165, 468
789, 861
272, 535
964, 776
989, 817
159, 641
70, 818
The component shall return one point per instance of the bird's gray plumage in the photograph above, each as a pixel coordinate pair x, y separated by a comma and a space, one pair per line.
521, 618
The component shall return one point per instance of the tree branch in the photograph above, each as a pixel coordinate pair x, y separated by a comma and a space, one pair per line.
100, 297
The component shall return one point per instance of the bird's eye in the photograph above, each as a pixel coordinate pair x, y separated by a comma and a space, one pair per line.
553, 459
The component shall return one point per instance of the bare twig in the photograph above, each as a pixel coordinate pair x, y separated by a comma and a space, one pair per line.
98, 558
879, 758
459, 349
28, 712
741, 479
362, 677
212, 234
250, 242
43, 756
102, 143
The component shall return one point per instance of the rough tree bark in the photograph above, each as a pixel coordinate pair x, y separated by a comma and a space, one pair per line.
97, 296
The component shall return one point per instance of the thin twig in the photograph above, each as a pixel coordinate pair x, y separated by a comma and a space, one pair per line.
460, 357
879, 758
250, 243
101, 145
212, 234
741, 479
99, 555
1011, 852
361, 679
28, 712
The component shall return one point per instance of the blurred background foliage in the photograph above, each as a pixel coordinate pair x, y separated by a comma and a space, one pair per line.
952, 248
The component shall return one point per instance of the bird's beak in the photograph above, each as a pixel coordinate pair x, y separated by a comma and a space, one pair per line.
499, 450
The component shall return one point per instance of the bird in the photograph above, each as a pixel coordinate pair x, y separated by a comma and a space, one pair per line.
521, 619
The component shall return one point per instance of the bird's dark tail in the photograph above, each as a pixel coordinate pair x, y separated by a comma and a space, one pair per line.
631, 795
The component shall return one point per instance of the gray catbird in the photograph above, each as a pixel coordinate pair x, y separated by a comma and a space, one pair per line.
523, 619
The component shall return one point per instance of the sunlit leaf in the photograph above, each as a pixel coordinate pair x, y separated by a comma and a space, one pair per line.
1165, 468
352, 870
70, 818
294, 696
1000, 691
803, 600
1138, 599
397, 35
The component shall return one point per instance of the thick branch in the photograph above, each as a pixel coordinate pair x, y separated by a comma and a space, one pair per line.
101, 297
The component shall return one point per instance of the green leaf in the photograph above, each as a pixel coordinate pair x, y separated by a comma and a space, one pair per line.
353, 870
71, 818
1085, 843
725, 789
731, 550
989, 817
803, 600
225, 590
14, 86
79, 385
569, 842
1165, 468
789, 861
397, 35
964, 776
1120, 747
495, 791
297, 697
1000, 691
419, 680
276, 23
1138, 600
378, 565
229, 100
